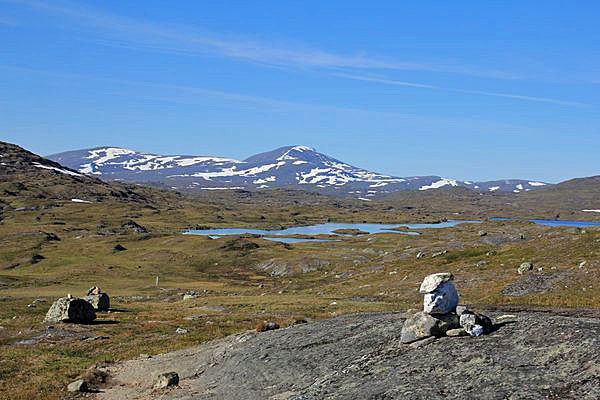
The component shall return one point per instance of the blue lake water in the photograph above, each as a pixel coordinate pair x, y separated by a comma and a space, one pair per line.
326, 229
555, 222
573, 224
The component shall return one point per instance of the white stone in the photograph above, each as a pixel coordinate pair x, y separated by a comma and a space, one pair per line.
431, 282
442, 300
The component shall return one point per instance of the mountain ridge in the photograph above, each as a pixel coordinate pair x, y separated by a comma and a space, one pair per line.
288, 166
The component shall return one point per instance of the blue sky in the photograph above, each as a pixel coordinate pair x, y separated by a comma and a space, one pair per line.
473, 90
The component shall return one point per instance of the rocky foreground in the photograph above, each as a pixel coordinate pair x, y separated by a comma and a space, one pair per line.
529, 355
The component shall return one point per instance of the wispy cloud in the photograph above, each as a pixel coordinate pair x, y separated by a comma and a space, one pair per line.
7, 21
465, 91
181, 94
121, 31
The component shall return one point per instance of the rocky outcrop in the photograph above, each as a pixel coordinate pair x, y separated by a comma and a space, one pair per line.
277, 267
532, 355
71, 309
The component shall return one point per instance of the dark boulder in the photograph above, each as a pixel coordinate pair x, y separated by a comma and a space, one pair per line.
71, 309
100, 302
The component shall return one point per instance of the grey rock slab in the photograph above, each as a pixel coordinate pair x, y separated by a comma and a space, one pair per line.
536, 283
358, 356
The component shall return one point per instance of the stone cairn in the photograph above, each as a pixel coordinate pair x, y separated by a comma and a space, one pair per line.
442, 315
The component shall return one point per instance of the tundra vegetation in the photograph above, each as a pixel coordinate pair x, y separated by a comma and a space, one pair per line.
51, 246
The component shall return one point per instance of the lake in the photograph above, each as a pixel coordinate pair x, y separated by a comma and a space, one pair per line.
555, 222
573, 224
324, 229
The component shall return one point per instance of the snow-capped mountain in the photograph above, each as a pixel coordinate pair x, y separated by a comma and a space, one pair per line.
291, 166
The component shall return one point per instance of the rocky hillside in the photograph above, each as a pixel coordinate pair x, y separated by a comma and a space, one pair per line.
297, 167
530, 355
25, 176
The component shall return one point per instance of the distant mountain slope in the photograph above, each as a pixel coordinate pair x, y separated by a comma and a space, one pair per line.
27, 176
290, 166
580, 193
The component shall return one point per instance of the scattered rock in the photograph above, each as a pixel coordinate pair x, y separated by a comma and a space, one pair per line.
167, 379
457, 332
264, 326
134, 226
421, 255
491, 253
36, 258
181, 331
119, 247
49, 236
482, 233
78, 386
69, 309
525, 267
439, 253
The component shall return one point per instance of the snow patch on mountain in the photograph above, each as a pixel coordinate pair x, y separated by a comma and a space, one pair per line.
265, 180
101, 156
62, 171
441, 183
288, 155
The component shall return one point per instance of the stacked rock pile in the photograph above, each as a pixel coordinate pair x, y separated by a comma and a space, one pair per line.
442, 315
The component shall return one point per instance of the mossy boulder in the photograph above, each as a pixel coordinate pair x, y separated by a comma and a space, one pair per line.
71, 309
